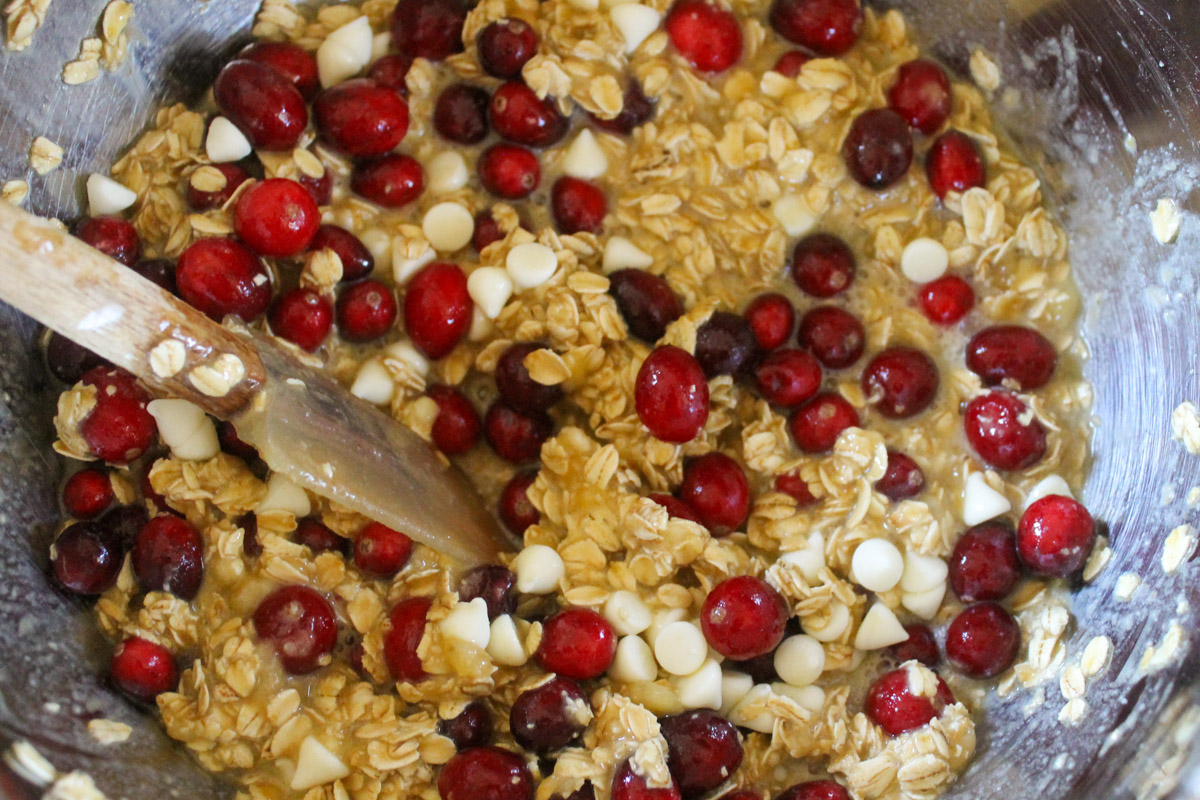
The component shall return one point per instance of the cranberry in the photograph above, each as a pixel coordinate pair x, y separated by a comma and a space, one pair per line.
122, 525
365, 311
715, 488
516, 386
361, 118
485, 773
585, 792
142, 669
87, 493
318, 538
119, 428
460, 114
901, 382
815, 790
628, 785
577, 643
675, 507
392, 180
954, 164
892, 706
221, 277
516, 512
544, 719
878, 149
495, 584
357, 261
289, 60
514, 435
471, 728
788, 377
276, 217
636, 109
771, 319
703, 750
921, 95
984, 564
834, 336
380, 551
509, 171
742, 794
983, 640
160, 272
68, 361
85, 560
646, 302
303, 317
761, 669
790, 63
437, 309
263, 104
826, 27
300, 623
113, 382
919, 646
822, 265
168, 556
1055, 536
235, 176
320, 188
505, 45
231, 443
577, 206
671, 395
154, 498
391, 71
251, 545
947, 300
404, 636
743, 618
487, 231
113, 236
521, 116
903, 478
708, 37
1004, 431
793, 485
815, 425
1012, 352
430, 29
725, 345
457, 426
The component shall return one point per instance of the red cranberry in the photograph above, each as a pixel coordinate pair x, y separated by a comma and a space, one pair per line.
276, 217
231, 443
826, 27
790, 63
744, 794
160, 272
725, 345
919, 646
1004, 431
788, 377
954, 164
628, 785
380, 551
122, 525
114, 382
113, 236
300, 623
646, 302
357, 261
509, 171
318, 538
901, 382
168, 556
485, 773
743, 618
87, 493
577, 643
822, 265
221, 277
85, 560
675, 507
457, 426
816, 425
515, 436
521, 116
815, 790
761, 669
460, 113
671, 395
430, 29
947, 300
708, 37
404, 636
516, 512
263, 104
793, 485
892, 706
505, 45
291, 61
715, 487
392, 180
516, 386
834, 336
1012, 352
320, 188
984, 563
1055, 536
703, 750
235, 176
471, 728
365, 311
361, 118
487, 231
771, 319
921, 95
68, 361
437, 309
545, 718
983, 640
303, 317
879, 148
903, 478
636, 108
577, 206
391, 71
495, 584
142, 669
119, 428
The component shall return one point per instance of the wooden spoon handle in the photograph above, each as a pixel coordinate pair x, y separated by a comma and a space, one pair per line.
114, 312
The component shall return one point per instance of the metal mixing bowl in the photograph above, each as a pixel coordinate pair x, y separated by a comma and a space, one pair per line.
1088, 73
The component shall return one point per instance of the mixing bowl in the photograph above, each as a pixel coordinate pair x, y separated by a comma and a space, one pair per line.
1102, 97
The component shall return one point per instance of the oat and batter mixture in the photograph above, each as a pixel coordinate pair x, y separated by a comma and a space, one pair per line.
760, 342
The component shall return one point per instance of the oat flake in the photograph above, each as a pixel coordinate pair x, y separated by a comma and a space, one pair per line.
1179, 545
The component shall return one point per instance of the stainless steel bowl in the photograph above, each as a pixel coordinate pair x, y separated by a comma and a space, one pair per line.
1087, 76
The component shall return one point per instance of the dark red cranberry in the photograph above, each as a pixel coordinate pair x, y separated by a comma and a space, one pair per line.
460, 114
320, 188
725, 345
793, 485
878, 149
407, 626
85, 560
546, 718
160, 272
142, 669
646, 302
1004, 431
516, 386
703, 750
361, 118
263, 104
671, 395
628, 785
761, 669
815, 425
391, 71
516, 512
834, 336
168, 556
437, 309
87, 493
430, 29
903, 478
1055, 536
235, 176
514, 435
892, 706
826, 27
68, 361
919, 646
715, 487
303, 317
231, 443
790, 63
471, 728
300, 623
456, 427
577, 643
380, 551
900, 382
635, 110
983, 640
676, 507
954, 164
519, 115
392, 180
122, 525
276, 217
289, 60
316, 536
708, 37
485, 773
365, 311
1012, 352
788, 377
509, 171
921, 95
220, 277
113, 236
947, 300
487, 231
577, 206
357, 261
495, 584
505, 45
822, 265
984, 564
771, 319
815, 790
251, 544
119, 428
743, 617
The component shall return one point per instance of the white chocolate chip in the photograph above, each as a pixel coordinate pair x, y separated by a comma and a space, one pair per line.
504, 643
734, 687
225, 143
811, 698
539, 569
879, 628
481, 326
830, 628
1047, 486
922, 573
680, 648
490, 288
620, 253
924, 604
810, 559
468, 622
284, 495
924, 260
702, 688
380, 44
168, 357
404, 266
106, 196
185, 429
585, 159
530, 265
981, 502
877, 565
373, 383
626, 612
446, 172
405, 354
750, 711
345, 52
633, 662
379, 242
799, 660
635, 22
660, 620
448, 227
793, 213
316, 766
